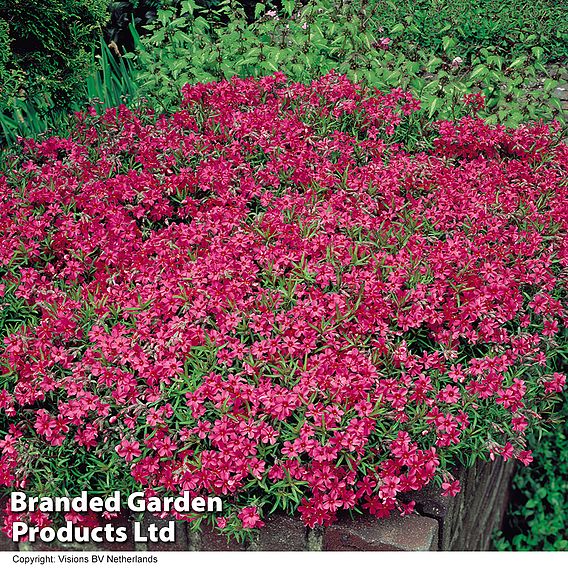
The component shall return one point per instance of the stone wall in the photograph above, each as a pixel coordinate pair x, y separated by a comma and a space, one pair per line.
464, 522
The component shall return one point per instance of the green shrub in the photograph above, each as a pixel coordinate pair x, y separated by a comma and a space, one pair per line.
9, 77
47, 49
109, 85
538, 518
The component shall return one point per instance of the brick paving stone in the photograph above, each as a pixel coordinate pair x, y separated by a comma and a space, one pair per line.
5, 542
411, 533
122, 520
180, 543
430, 502
212, 541
282, 533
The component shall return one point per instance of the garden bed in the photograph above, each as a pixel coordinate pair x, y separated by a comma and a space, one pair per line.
265, 296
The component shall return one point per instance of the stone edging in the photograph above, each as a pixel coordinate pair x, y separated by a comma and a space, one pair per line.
465, 522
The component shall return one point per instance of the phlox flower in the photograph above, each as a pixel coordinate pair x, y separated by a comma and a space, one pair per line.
250, 518
128, 449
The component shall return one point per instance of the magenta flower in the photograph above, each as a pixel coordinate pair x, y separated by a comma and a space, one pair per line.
128, 450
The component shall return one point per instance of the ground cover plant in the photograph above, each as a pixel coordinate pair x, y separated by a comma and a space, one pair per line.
266, 297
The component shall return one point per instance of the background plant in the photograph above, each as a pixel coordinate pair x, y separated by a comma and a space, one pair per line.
110, 84
438, 51
537, 518
508, 27
48, 48
355, 39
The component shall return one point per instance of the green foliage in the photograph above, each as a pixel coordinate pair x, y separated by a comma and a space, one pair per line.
109, 85
47, 51
305, 41
538, 514
510, 27
9, 77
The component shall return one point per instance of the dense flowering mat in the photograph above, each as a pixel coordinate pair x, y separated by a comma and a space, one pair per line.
264, 297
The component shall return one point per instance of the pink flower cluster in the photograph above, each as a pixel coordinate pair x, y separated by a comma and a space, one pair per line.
263, 296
